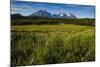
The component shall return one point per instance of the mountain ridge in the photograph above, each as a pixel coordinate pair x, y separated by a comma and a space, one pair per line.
45, 13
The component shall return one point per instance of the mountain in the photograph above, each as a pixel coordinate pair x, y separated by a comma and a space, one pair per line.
42, 13
45, 13
71, 15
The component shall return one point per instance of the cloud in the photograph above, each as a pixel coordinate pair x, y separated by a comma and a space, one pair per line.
21, 8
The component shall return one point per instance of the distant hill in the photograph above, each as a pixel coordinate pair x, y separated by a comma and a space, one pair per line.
16, 16
19, 16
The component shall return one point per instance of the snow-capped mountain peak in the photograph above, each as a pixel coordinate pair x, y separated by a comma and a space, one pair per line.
45, 13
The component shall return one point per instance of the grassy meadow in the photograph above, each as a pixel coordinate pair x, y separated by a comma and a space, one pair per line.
50, 44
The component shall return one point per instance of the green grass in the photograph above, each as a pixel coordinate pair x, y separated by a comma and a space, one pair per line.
49, 44
51, 28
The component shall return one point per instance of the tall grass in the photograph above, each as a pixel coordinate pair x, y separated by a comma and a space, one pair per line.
34, 47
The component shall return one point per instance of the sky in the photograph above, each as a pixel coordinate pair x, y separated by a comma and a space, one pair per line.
27, 8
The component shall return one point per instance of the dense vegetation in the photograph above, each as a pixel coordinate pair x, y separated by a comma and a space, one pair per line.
49, 44
31, 20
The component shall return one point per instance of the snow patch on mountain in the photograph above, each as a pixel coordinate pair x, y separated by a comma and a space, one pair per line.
45, 13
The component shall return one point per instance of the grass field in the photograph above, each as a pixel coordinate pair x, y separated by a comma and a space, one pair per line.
52, 28
49, 44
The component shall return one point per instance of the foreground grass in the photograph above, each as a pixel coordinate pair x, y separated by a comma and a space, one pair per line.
49, 44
